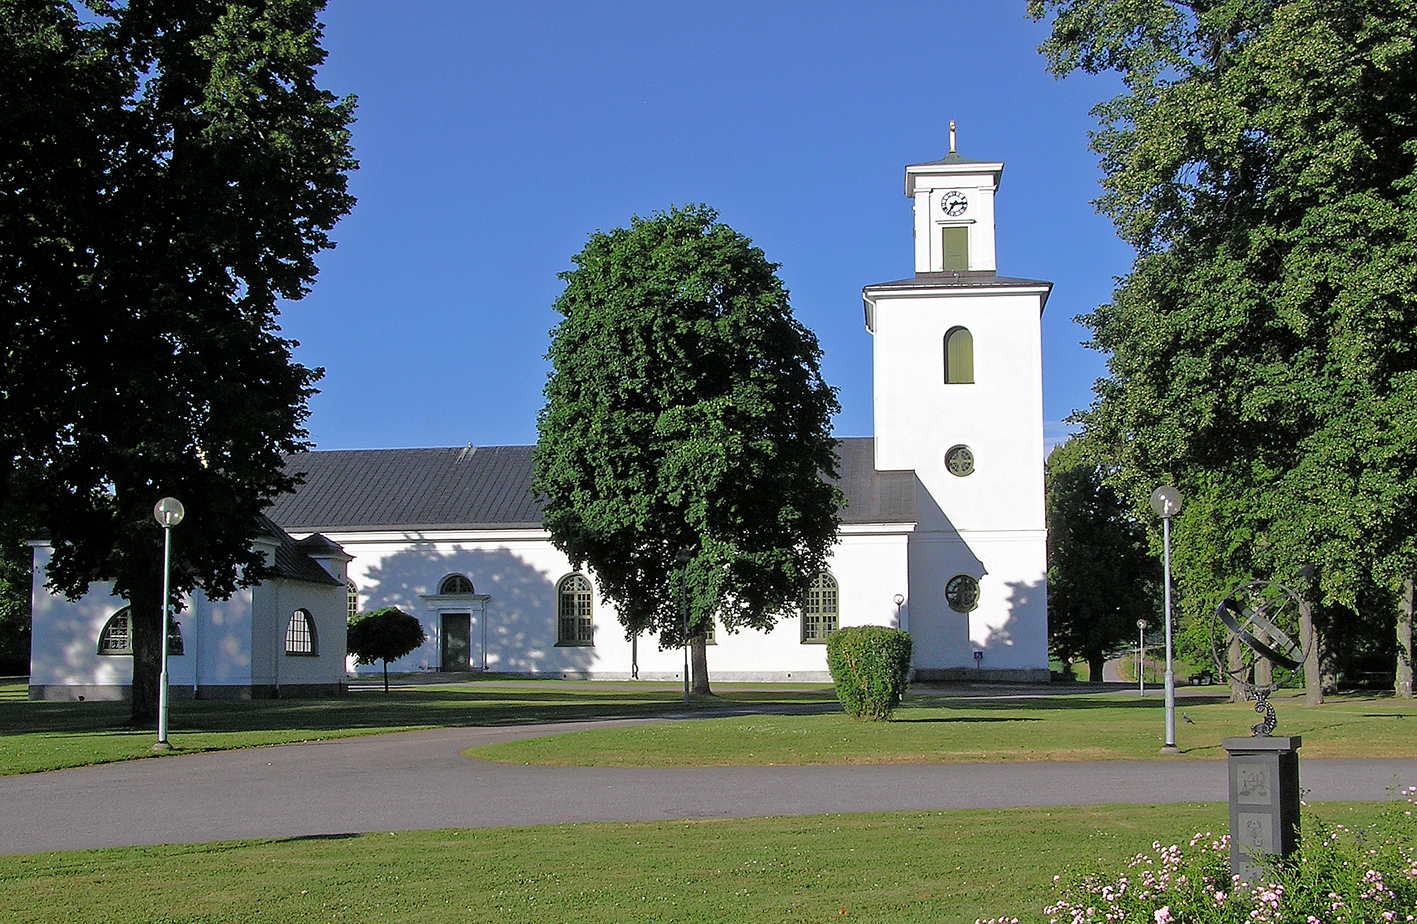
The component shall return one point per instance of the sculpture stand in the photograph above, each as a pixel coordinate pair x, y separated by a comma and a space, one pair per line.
1264, 802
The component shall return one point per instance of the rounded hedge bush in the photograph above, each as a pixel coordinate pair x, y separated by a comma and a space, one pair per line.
869, 665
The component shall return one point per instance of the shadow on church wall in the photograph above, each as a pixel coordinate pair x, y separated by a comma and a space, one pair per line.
520, 615
1027, 609
1012, 639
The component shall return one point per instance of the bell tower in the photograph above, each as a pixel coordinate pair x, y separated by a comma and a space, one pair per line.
959, 401
954, 212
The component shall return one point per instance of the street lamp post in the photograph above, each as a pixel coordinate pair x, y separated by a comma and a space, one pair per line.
1141, 657
168, 512
1166, 501
683, 558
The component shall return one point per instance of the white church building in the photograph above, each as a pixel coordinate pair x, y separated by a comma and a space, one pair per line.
943, 533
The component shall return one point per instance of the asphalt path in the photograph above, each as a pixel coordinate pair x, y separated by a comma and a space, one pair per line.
420, 781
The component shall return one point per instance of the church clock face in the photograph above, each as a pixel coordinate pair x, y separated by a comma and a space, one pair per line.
953, 203
959, 461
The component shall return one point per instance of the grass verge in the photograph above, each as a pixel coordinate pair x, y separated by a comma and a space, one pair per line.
932, 729
952, 866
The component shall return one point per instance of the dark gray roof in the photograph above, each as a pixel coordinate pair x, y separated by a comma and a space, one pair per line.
490, 487
952, 158
970, 279
487, 486
872, 496
316, 544
291, 560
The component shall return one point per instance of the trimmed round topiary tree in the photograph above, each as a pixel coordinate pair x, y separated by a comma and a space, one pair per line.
384, 635
869, 665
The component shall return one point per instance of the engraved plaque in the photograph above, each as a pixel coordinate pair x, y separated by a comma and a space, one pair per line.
1256, 833
1252, 784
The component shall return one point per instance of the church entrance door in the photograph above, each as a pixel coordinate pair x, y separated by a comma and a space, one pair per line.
456, 645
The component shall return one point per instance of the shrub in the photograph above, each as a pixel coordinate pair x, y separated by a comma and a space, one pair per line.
869, 665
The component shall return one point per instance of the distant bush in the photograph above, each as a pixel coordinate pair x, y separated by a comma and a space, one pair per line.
869, 665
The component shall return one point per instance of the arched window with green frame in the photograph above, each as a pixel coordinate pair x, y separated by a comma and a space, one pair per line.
959, 357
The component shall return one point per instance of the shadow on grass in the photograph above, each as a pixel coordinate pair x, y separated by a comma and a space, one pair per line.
965, 719
1048, 703
350, 835
444, 706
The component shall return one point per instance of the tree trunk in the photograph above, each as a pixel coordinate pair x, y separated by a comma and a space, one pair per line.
1328, 665
1095, 661
698, 654
1309, 641
145, 624
386, 676
1264, 673
1402, 681
1234, 659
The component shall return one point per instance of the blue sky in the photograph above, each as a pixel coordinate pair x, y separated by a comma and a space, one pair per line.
495, 137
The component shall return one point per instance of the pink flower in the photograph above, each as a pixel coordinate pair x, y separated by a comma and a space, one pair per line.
1163, 915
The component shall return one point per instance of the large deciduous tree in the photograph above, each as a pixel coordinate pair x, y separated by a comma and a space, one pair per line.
168, 171
16, 560
1262, 160
685, 410
1101, 575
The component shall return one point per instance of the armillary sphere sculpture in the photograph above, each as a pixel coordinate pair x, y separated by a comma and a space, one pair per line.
1264, 618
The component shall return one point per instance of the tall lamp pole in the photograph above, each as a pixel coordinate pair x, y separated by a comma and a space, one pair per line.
683, 558
168, 512
1141, 657
1166, 501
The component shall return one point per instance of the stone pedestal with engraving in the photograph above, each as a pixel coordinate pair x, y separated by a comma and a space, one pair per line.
1264, 801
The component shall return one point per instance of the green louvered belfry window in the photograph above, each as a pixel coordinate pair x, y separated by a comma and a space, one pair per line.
956, 244
959, 357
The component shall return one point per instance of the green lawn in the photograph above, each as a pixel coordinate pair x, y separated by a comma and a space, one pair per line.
951, 866
933, 729
45, 736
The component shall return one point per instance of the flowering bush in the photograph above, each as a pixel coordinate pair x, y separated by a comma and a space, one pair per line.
1339, 876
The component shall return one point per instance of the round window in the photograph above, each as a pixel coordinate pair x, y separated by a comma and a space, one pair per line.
959, 460
962, 593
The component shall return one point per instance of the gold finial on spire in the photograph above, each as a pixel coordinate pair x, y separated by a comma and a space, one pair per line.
952, 136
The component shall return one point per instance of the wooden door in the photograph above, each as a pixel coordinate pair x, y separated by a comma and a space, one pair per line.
456, 641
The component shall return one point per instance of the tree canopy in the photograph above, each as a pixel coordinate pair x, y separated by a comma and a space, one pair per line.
1102, 576
384, 635
1263, 162
168, 171
685, 409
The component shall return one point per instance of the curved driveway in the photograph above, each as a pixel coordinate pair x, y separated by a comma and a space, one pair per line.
418, 780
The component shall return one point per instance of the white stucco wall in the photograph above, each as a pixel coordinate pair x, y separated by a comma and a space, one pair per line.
999, 417
216, 635
515, 574
64, 654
